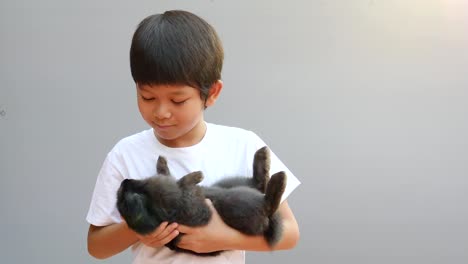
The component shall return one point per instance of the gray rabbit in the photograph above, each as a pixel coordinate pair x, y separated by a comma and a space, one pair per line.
248, 204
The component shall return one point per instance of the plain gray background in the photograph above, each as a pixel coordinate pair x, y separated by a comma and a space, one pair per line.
366, 101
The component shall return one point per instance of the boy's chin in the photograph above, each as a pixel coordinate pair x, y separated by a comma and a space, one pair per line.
165, 136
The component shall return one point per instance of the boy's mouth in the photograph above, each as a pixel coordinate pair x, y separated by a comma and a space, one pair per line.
163, 126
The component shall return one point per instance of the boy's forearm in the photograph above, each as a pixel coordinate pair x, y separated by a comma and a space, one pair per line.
106, 241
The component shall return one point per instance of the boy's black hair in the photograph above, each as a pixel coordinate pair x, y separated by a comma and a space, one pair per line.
176, 47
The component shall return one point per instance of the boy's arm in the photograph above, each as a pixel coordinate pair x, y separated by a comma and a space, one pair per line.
106, 241
218, 236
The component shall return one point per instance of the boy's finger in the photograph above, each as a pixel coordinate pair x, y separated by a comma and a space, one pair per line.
208, 201
165, 240
185, 229
159, 230
170, 228
171, 236
164, 233
210, 204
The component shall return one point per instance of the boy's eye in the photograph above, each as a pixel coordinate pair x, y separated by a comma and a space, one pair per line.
146, 99
179, 102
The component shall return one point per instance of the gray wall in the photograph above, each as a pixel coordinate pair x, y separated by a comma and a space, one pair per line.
365, 100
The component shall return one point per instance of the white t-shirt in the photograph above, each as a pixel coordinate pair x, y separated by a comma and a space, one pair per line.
223, 152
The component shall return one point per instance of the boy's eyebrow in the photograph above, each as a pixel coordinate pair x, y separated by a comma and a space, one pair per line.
178, 92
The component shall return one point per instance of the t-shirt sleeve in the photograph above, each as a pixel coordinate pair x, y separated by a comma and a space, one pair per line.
103, 210
276, 166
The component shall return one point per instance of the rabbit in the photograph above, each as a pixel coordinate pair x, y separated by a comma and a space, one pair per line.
247, 204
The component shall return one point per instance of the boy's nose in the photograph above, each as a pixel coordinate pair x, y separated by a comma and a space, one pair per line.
161, 112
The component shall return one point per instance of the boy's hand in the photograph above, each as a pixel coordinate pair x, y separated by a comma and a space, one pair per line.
212, 237
161, 236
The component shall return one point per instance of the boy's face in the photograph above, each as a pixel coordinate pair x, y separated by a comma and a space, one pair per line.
175, 112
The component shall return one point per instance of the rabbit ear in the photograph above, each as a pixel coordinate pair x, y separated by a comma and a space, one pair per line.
190, 179
261, 168
161, 166
274, 191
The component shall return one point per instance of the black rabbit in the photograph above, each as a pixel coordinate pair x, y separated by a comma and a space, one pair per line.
246, 204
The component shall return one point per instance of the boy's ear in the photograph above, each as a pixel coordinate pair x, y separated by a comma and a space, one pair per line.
215, 90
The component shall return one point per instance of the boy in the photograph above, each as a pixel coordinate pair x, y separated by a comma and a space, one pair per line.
176, 60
